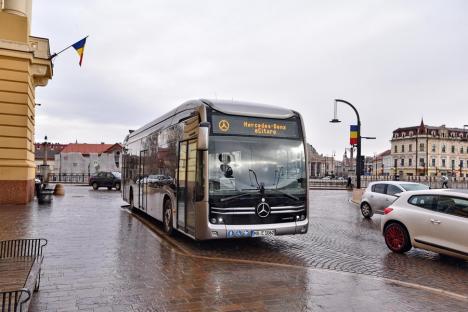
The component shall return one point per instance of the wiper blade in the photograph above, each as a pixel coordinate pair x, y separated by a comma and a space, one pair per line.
285, 193
233, 197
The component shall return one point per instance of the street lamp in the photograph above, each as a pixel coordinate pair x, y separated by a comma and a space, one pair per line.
358, 145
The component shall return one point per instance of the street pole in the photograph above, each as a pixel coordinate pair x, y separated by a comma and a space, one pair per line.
358, 145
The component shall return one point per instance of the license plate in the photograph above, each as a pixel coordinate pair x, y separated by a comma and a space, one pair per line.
263, 233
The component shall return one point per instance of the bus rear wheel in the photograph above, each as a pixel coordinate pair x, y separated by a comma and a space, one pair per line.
168, 217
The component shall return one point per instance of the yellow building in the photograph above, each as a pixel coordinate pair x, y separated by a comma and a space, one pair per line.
24, 65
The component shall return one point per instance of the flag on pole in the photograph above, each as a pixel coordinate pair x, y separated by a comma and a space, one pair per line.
79, 47
353, 135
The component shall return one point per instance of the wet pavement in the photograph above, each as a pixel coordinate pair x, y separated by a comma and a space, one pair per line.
101, 258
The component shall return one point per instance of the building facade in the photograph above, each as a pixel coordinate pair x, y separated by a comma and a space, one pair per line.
87, 159
430, 151
24, 65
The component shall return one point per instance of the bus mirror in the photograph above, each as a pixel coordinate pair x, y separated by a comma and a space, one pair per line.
203, 133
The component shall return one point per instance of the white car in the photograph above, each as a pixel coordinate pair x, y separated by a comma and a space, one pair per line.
435, 220
379, 195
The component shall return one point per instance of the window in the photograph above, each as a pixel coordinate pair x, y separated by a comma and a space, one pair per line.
379, 188
410, 162
443, 163
433, 162
421, 147
423, 201
396, 163
421, 162
402, 148
453, 148
410, 147
453, 205
414, 186
453, 163
461, 150
461, 163
443, 148
433, 148
402, 162
392, 190
396, 148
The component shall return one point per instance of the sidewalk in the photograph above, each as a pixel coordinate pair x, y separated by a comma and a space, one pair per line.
101, 258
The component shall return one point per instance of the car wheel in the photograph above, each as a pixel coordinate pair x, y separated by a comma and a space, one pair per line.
117, 186
95, 186
397, 238
168, 216
366, 210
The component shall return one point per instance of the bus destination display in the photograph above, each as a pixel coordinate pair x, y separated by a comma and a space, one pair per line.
238, 125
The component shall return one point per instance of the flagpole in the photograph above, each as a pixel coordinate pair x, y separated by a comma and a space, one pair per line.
55, 54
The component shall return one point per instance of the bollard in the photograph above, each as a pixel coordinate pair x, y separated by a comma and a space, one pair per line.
59, 190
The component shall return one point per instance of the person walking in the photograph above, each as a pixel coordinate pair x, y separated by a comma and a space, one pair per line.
444, 180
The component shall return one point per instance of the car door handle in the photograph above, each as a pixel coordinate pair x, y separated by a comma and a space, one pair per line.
435, 221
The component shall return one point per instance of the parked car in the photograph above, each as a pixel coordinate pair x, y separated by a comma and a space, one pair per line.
379, 195
435, 220
106, 179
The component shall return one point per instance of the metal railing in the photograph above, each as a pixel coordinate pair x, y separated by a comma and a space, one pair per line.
69, 178
433, 182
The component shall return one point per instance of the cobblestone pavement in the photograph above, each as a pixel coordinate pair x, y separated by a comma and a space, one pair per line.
340, 239
101, 258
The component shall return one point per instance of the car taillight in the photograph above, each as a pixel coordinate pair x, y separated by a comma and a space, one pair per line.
387, 210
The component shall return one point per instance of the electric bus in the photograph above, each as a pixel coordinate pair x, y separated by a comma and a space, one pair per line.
214, 169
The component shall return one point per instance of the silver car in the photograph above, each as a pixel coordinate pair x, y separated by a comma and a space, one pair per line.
435, 220
379, 195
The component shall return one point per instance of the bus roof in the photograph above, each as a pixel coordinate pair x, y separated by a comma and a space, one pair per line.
249, 109
230, 107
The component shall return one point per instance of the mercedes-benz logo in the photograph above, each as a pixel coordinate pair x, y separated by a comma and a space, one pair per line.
223, 125
263, 210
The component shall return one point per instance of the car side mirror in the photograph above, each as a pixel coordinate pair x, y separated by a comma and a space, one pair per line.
203, 136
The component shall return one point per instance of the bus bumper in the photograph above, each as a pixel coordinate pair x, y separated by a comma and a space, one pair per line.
220, 231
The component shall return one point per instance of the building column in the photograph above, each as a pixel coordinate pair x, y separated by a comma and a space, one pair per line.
24, 64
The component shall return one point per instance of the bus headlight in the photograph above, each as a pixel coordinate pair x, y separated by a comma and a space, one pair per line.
220, 220
302, 217
213, 220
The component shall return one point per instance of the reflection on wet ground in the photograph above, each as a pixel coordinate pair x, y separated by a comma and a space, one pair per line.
101, 258
340, 239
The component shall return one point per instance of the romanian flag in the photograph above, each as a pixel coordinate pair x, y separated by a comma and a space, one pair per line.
353, 135
79, 47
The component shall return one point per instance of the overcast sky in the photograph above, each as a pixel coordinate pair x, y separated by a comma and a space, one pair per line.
396, 61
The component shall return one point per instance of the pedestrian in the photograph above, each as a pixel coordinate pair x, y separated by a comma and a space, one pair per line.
444, 180
348, 185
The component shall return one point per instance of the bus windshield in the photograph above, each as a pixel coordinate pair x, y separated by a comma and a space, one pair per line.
243, 165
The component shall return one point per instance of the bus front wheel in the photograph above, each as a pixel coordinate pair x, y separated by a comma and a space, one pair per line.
168, 216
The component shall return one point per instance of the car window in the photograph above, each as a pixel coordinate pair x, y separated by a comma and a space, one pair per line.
109, 175
393, 189
379, 188
101, 174
423, 201
414, 187
453, 205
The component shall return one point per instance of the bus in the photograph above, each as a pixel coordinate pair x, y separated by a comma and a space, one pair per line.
214, 169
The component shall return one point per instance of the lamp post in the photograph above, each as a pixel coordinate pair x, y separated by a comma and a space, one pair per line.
358, 145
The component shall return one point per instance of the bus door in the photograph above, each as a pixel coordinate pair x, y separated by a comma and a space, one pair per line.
186, 186
142, 181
